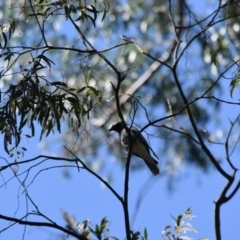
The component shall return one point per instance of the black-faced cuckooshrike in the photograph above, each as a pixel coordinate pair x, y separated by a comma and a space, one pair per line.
140, 146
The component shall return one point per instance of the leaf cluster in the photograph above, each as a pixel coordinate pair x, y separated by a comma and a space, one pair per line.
34, 100
181, 227
87, 230
83, 9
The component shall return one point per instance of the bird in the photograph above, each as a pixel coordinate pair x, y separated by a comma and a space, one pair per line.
140, 146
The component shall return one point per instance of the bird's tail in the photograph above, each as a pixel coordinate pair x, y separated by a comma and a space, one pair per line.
152, 166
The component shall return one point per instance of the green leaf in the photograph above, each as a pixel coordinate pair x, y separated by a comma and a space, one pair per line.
12, 28
94, 10
5, 39
104, 15
58, 124
79, 18
73, 100
32, 126
234, 83
8, 57
91, 18
41, 134
17, 138
145, 234
81, 89
179, 219
94, 90
46, 11
135, 235
6, 143
106, 9
67, 11
46, 59
49, 127
59, 83
22, 124
103, 224
41, 1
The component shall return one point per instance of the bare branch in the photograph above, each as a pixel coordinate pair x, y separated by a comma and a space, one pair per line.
43, 224
227, 143
95, 174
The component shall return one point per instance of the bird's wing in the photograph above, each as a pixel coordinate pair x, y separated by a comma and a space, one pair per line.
140, 136
140, 148
135, 133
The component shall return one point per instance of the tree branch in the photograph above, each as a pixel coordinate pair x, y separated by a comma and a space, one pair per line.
126, 181
43, 224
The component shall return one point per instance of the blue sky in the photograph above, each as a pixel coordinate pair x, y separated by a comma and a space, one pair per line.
84, 197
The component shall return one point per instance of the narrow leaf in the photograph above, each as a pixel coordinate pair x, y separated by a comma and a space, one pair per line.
95, 91
81, 89
234, 84
5, 144
45, 59
59, 83
5, 39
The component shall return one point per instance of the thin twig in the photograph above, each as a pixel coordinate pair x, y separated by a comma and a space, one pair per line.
43, 224
96, 175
